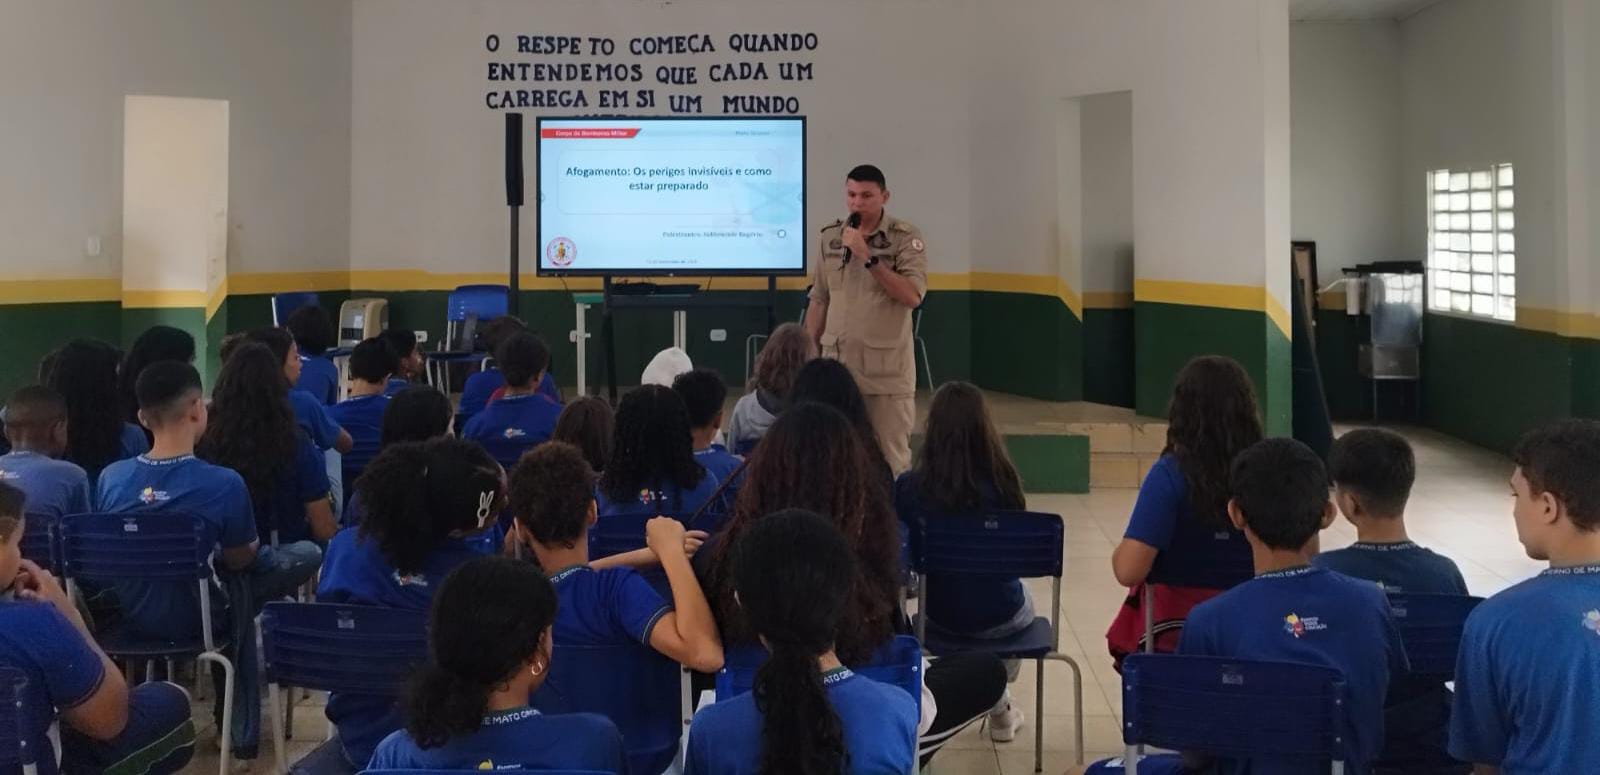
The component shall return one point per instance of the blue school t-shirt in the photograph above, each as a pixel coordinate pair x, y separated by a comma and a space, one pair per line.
319, 377
215, 494
354, 571
1528, 677
515, 739
513, 425
663, 498
1312, 616
1191, 552
879, 723
50, 488
133, 441
362, 418
1417, 711
964, 604
722, 464
605, 607
313, 418
62, 669
395, 385
302, 481
475, 392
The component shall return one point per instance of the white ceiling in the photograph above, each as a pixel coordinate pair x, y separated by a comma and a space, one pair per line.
1354, 10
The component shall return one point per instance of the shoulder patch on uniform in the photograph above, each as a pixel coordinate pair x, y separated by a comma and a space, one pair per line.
916, 244
836, 222
896, 224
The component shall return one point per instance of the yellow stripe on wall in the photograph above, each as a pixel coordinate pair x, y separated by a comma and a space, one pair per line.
148, 299
1249, 298
59, 291
1580, 325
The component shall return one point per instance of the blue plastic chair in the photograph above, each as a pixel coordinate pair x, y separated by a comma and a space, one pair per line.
39, 542
284, 304
15, 748
1234, 708
1218, 577
644, 693
1007, 544
465, 308
154, 547
1430, 629
337, 648
898, 663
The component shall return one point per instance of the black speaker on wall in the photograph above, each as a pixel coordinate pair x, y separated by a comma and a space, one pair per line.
514, 159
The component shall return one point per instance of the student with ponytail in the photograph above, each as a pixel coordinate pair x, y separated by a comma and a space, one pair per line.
429, 507
807, 714
489, 649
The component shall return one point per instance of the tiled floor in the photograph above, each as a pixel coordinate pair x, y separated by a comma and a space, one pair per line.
1461, 507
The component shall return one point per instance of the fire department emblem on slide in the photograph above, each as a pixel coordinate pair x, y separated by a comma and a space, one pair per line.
560, 251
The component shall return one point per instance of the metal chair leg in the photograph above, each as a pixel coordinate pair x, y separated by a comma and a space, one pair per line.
1077, 708
225, 734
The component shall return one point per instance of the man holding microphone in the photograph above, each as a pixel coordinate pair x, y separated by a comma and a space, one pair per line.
873, 272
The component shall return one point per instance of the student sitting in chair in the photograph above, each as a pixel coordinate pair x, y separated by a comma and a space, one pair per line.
703, 395
1292, 611
251, 430
487, 385
1179, 530
361, 415
552, 499
105, 726
653, 469
309, 411
171, 480
588, 424
418, 413
524, 417
429, 507
408, 359
1373, 470
1528, 674
84, 372
807, 713
36, 426
781, 358
312, 330
489, 650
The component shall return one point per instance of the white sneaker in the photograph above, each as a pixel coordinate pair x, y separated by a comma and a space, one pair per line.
1003, 725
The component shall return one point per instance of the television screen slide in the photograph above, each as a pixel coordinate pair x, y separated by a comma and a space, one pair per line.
679, 196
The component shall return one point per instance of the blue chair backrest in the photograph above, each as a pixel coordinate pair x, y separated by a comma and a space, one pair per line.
629, 683
618, 533
484, 302
144, 545
16, 749
898, 663
342, 648
1007, 544
1234, 708
39, 541
1430, 628
284, 304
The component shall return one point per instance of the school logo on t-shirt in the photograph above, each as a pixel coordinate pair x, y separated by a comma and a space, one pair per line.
9, 475
412, 580
152, 495
514, 433
647, 496
1298, 626
1591, 621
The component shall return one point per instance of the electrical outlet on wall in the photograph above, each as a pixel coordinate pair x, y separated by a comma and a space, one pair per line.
422, 336
719, 334
91, 246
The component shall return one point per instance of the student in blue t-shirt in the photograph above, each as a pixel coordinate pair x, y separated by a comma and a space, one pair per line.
514, 424
252, 431
361, 415
482, 387
156, 343
309, 411
1178, 540
36, 426
312, 330
171, 480
1372, 471
1528, 674
489, 649
588, 423
652, 469
1293, 611
704, 395
807, 712
408, 359
418, 413
105, 726
603, 602
84, 372
428, 507
963, 468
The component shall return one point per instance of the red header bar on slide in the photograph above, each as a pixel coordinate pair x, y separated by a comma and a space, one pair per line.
589, 133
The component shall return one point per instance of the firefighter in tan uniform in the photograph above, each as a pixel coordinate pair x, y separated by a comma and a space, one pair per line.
867, 281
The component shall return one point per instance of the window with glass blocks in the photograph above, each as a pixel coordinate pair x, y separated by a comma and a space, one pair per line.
1472, 242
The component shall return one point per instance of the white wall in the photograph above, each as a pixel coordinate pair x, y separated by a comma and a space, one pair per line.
65, 66
1108, 250
174, 194
1346, 132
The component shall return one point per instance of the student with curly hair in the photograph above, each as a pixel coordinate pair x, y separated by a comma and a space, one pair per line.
652, 467
252, 431
430, 507
418, 413
787, 350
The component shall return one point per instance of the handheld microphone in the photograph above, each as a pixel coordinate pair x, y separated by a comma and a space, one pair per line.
854, 222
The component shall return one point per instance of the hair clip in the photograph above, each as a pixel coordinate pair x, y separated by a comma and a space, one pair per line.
485, 506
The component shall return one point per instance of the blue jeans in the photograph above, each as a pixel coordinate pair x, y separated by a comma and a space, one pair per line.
158, 739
